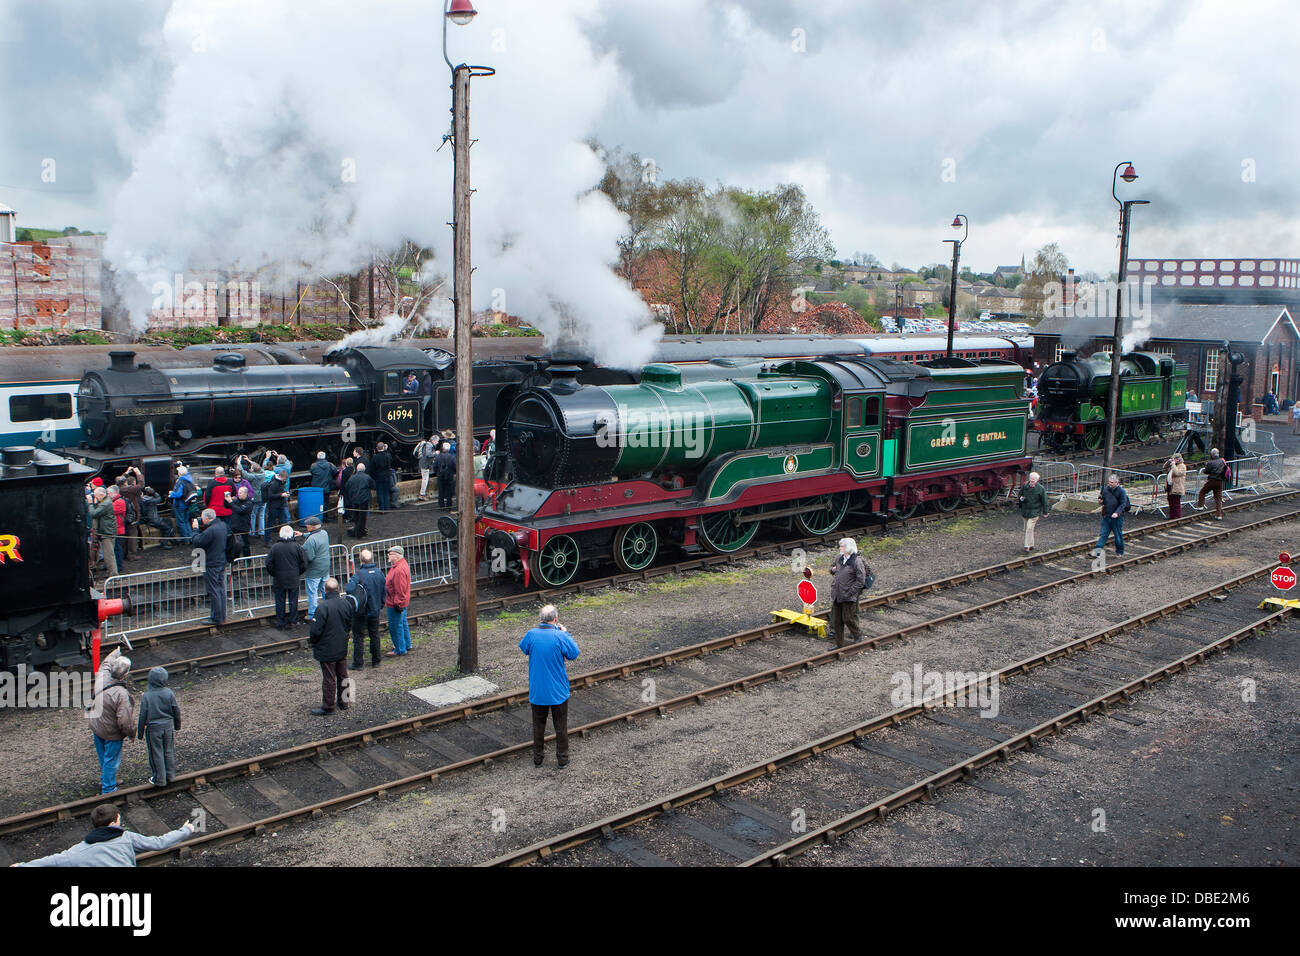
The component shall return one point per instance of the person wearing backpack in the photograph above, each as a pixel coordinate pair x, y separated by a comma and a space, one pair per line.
1216, 476
425, 455
179, 497
850, 576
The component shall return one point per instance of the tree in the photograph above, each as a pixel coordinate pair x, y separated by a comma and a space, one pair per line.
867, 260
633, 185
1048, 266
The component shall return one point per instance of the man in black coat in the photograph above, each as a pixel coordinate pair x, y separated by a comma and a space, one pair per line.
356, 498
444, 465
285, 563
212, 539
276, 497
329, 642
381, 472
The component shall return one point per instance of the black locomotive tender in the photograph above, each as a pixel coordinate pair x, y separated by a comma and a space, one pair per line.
49, 612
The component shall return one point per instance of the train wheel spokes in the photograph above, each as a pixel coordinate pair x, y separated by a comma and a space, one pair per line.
827, 518
635, 546
557, 562
949, 503
987, 496
1093, 436
721, 533
1142, 429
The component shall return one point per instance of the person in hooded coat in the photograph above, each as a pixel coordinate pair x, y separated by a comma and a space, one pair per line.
160, 718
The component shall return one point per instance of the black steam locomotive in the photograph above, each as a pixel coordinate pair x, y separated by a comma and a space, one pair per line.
49, 614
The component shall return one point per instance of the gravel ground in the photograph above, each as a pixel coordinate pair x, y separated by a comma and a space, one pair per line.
621, 768
1208, 780
237, 712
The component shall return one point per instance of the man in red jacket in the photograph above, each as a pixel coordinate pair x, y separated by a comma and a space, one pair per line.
217, 492
397, 596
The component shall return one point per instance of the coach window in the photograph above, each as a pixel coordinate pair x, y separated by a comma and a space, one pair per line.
37, 408
854, 419
872, 419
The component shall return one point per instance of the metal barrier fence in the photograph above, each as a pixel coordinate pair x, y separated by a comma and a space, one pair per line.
1057, 477
431, 557
159, 600
1141, 487
249, 586
1250, 475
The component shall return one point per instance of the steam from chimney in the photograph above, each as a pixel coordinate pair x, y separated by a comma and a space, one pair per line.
297, 139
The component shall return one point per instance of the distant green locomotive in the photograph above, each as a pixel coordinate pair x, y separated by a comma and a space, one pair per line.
618, 472
1073, 396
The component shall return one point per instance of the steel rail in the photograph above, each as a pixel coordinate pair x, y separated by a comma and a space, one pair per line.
251, 653
1053, 726
497, 702
504, 602
607, 826
662, 708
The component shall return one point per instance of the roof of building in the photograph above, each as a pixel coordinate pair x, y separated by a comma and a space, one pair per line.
1006, 270
1178, 322
7, 210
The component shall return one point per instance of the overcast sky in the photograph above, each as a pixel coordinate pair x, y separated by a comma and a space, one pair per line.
892, 116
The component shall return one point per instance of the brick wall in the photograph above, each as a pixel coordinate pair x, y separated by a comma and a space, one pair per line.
53, 284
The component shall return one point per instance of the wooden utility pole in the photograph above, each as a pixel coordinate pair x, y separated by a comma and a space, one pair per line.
467, 566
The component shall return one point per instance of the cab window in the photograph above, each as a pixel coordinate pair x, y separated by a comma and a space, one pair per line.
392, 383
872, 419
854, 417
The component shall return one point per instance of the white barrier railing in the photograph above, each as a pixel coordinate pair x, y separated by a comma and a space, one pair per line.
160, 600
430, 556
249, 586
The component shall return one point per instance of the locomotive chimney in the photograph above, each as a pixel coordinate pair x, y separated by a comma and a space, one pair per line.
564, 378
121, 361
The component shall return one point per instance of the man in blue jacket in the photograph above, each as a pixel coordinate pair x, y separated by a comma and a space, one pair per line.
548, 646
1114, 502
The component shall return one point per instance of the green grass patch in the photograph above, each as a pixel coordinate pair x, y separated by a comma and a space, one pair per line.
292, 670
41, 337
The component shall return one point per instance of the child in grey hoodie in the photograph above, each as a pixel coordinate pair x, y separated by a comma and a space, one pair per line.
160, 718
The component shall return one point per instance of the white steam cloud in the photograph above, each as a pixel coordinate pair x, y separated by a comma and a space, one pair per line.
297, 139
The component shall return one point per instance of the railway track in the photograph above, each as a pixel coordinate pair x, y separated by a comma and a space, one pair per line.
156, 650
236, 649
245, 797
908, 754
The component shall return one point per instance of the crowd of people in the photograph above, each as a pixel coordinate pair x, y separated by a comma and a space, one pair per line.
250, 501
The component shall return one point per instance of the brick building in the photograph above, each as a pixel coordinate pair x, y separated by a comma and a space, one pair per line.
1194, 334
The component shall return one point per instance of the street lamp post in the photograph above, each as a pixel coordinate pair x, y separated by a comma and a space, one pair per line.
898, 306
1125, 205
462, 12
958, 221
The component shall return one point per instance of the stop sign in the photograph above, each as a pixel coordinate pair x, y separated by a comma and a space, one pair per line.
1283, 579
808, 591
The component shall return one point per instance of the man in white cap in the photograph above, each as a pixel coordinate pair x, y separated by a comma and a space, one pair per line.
1033, 505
